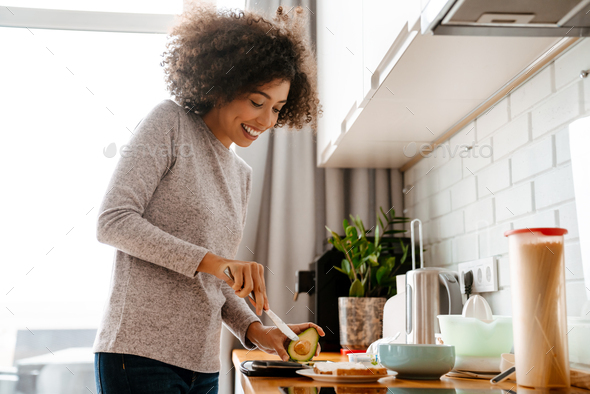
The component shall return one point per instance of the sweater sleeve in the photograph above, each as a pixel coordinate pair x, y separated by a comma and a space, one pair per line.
237, 315
142, 165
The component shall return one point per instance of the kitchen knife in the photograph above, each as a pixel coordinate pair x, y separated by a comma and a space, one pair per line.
275, 319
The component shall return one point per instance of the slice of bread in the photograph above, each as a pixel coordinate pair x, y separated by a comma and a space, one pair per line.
348, 369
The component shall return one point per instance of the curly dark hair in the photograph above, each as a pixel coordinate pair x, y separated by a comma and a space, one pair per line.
214, 56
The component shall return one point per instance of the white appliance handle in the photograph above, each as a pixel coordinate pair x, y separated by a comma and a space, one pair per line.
413, 243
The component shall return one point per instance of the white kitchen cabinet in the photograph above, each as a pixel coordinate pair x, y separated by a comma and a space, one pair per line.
383, 21
353, 38
407, 87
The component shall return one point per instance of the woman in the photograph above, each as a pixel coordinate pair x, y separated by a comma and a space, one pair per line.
176, 205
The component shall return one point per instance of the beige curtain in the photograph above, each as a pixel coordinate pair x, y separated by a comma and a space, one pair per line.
292, 200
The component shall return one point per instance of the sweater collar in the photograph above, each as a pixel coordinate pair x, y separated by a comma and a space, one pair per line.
214, 140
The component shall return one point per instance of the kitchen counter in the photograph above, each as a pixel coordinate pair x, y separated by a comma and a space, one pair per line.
264, 385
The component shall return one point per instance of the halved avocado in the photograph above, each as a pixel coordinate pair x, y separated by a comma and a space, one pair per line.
304, 349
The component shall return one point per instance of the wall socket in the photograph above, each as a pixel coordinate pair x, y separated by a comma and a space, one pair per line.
485, 275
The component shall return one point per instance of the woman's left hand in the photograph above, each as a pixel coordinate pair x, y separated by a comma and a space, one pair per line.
272, 341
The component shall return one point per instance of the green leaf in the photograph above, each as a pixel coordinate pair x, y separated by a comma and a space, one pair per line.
339, 269
345, 224
356, 289
356, 262
377, 235
395, 231
383, 212
345, 266
381, 272
390, 262
360, 225
373, 260
405, 248
351, 232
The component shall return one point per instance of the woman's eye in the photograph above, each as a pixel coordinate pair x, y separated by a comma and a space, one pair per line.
276, 110
255, 104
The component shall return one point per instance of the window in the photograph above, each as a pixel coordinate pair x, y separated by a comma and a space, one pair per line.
66, 96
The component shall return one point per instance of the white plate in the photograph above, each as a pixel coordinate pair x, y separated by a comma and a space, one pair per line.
309, 373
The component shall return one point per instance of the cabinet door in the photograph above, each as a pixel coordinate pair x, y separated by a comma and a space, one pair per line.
340, 59
383, 21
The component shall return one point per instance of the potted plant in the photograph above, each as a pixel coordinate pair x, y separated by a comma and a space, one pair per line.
371, 268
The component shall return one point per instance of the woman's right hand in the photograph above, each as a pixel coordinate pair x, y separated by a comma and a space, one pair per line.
248, 275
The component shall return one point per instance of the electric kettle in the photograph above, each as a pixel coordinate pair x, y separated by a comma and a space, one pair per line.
429, 292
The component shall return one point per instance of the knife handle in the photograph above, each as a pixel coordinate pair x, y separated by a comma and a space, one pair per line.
227, 272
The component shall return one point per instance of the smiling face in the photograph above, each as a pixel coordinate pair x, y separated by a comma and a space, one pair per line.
245, 118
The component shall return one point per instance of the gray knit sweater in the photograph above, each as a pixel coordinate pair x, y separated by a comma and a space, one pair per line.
177, 193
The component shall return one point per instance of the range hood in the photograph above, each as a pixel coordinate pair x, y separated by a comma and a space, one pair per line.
529, 18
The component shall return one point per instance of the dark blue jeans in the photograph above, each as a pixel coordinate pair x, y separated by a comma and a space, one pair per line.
117, 373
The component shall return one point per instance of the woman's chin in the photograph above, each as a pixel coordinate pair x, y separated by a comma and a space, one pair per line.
244, 144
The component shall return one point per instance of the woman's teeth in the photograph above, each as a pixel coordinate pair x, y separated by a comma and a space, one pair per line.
251, 131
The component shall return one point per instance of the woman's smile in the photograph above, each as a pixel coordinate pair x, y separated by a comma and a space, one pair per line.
251, 132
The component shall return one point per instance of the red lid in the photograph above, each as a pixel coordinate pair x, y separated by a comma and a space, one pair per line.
542, 230
344, 352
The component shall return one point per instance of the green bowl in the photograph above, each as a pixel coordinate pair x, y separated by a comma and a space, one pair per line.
475, 338
417, 361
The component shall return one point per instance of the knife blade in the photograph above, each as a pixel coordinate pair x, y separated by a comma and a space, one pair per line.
275, 319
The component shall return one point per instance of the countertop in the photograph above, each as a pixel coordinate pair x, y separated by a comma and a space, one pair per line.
264, 385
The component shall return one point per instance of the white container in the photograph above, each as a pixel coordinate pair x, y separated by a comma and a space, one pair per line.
362, 358
394, 312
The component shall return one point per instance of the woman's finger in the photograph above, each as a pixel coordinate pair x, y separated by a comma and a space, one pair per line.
318, 350
299, 328
238, 277
248, 285
263, 283
280, 347
258, 285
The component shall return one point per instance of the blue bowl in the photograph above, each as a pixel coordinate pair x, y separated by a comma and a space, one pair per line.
417, 361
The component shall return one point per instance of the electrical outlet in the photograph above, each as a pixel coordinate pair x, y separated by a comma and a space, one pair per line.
485, 274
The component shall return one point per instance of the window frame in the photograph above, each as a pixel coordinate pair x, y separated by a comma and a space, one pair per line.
117, 22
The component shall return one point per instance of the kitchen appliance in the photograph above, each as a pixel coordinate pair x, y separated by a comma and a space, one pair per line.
477, 306
532, 18
429, 292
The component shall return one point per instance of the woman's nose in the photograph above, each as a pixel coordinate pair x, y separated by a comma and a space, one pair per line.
266, 119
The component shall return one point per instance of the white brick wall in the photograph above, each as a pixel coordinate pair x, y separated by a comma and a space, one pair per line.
568, 66
532, 159
514, 135
479, 215
467, 203
562, 146
440, 204
531, 93
514, 202
560, 108
492, 119
463, 193
493, 178
554, 187
450, 173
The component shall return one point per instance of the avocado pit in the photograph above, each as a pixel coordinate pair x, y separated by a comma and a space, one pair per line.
302, 347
